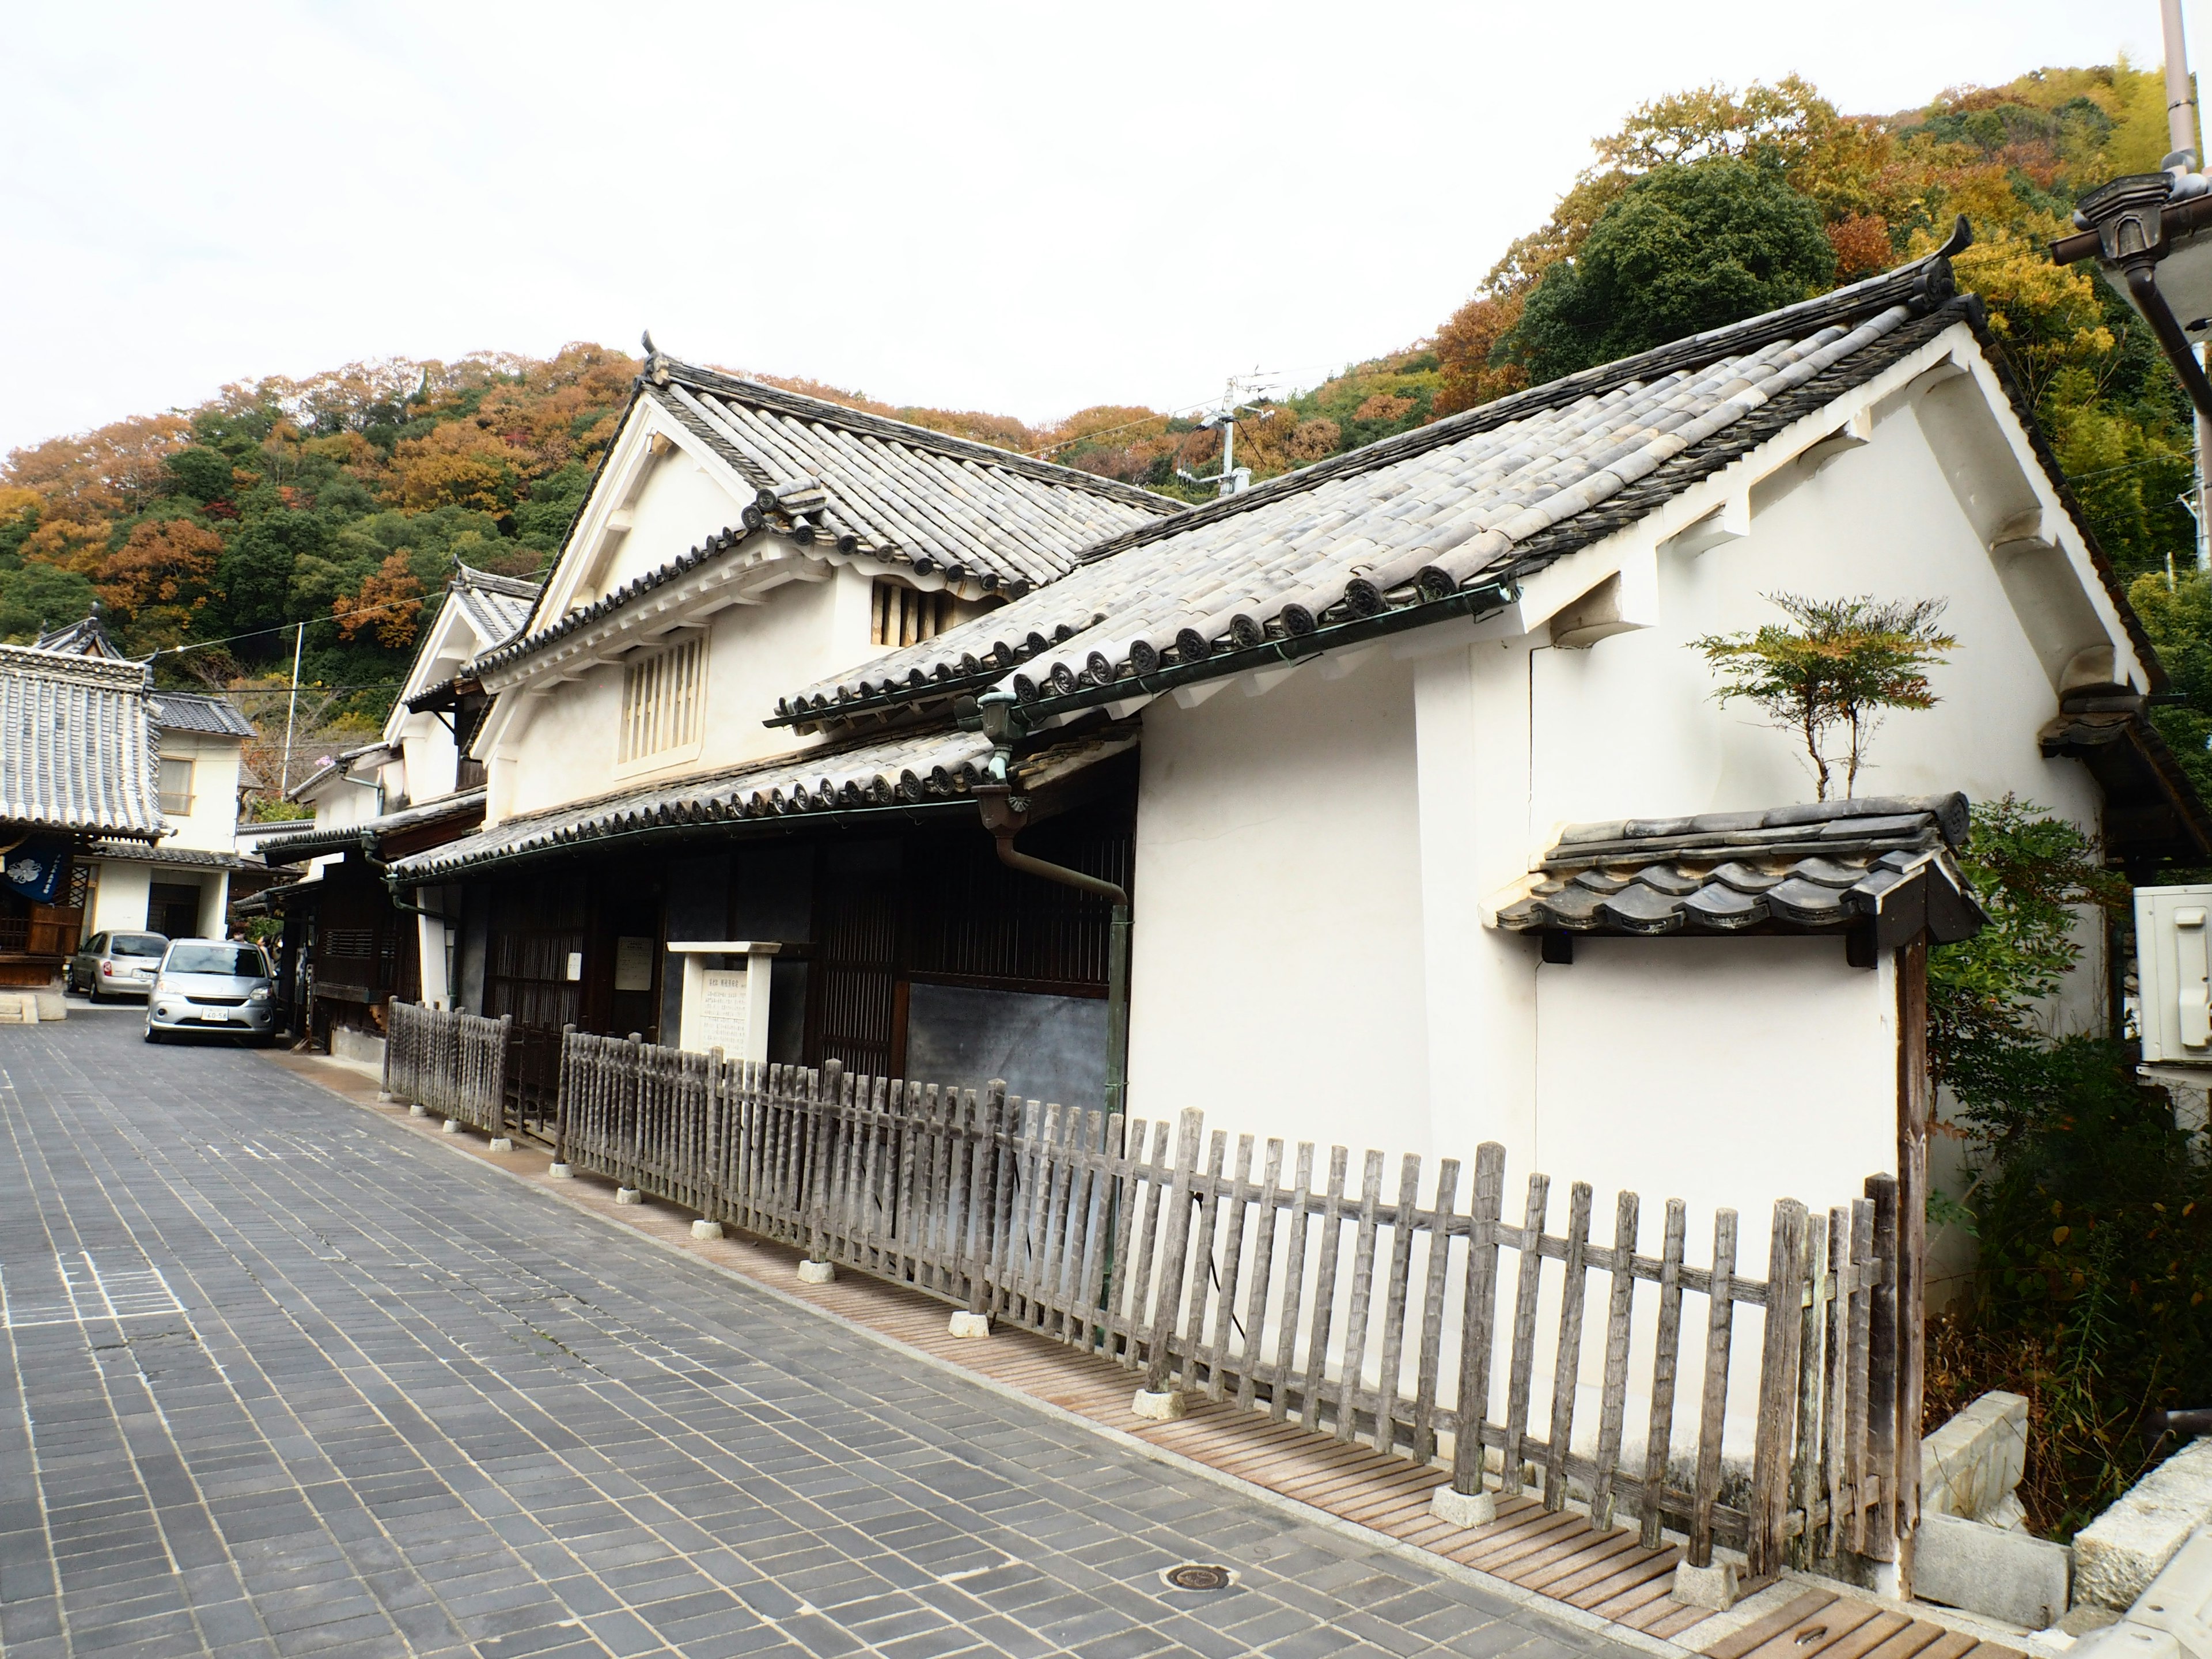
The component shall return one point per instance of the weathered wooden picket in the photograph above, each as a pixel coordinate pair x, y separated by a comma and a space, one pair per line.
453, 1064
1371, 1314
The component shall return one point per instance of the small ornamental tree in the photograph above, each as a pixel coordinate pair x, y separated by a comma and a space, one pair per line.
1838, 666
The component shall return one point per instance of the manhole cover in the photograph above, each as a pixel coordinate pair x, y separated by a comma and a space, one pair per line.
1198, 1576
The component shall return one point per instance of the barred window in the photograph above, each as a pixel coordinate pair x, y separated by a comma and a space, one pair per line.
905, 616
664, 700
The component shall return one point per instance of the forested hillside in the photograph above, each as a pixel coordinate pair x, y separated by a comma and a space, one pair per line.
343, 500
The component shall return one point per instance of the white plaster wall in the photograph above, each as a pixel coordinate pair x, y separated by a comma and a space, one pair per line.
562, 746
343, 801
1276, 961
431, 760
214, 903
212, 824
118, 904
678, 504
1720, 1072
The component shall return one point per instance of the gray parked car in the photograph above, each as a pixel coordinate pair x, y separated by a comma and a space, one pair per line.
107, 964
212, 984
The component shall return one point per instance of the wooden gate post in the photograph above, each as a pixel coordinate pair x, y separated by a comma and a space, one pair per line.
1154, 1400
1775, 1445
564, 1086
1883, 1431
1469, 1504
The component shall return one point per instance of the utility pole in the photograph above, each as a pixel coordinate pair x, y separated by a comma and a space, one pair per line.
291, 708
1231, 480
2181, 140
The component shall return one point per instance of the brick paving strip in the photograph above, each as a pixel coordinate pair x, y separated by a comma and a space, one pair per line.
1609, 1582
276, 1376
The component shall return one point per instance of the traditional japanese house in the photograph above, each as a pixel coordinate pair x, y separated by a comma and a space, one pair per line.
179, 886
1430, 826
739, 538
347, 946
80, 767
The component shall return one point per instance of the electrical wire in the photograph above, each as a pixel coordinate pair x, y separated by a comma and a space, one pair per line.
285, 627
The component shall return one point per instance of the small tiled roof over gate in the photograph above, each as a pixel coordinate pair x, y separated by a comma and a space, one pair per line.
1818, 867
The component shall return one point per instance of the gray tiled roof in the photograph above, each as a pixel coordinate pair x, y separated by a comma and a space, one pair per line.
901, 492
85, 638
78, 751
1807, 868
905, 772
859, 483
137, 852
190, 711
500, 607
315, 843
1419, 518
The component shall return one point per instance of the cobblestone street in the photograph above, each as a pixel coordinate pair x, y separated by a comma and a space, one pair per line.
280, 1378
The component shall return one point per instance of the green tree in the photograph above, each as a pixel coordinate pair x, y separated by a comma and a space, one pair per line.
2094, 1253
1682, 249
255, 573
36, 597
1843, 666
2178, 620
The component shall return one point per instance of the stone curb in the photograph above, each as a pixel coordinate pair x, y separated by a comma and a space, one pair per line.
1531, 1602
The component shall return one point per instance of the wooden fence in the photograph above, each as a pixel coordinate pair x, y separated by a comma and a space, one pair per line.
1373, 1315
453, 1064
1386, 1315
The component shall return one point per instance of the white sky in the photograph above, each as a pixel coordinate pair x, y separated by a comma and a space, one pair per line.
1020, 208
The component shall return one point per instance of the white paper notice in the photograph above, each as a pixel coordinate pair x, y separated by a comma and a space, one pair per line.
719, 1021
634, 965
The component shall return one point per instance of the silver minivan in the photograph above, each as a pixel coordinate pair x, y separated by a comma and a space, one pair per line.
219, 985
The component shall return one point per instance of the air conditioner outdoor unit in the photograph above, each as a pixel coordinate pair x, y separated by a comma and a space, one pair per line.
2173, 969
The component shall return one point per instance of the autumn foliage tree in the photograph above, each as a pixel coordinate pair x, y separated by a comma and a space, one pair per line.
387, 606
160, 578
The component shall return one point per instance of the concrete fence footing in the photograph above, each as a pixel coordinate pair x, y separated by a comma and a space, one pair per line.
1718, 1587
1162, 1406
1462, 1509
971, 1325
628, 1195
816, 1272
704, 1229
558, 1172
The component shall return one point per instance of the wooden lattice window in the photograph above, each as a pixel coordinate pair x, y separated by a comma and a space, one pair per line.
664, 700
905, 616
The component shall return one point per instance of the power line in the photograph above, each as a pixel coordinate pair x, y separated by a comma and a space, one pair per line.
307, 621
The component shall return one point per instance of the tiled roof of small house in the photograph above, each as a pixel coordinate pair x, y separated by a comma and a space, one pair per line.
894, 775
191, 711
989, 520
1812, 868
500, 607
79, 750
85, 638
135, 852
368, 832
1438, 516
337, 766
